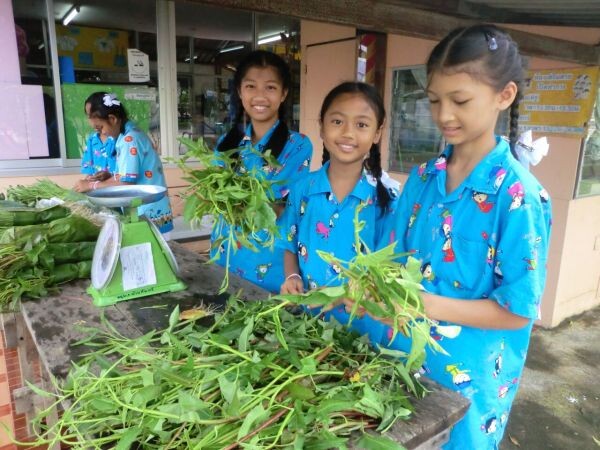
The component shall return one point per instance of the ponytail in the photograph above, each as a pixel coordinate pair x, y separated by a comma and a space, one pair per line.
373, 165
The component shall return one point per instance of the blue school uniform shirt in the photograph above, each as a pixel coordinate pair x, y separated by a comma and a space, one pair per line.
264, 267
314, 220
98, 156
486, 239
139, 163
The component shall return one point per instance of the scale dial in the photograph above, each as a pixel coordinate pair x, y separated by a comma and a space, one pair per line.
164, 246
106, 253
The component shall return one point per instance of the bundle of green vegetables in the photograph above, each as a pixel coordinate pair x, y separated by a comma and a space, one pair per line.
378, 285
41, 189
41, 248
239, 198
259, 377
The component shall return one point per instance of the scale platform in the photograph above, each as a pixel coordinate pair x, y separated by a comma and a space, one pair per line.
131, 257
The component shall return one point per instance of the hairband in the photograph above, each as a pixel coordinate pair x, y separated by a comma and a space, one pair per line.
491, 41
110, 100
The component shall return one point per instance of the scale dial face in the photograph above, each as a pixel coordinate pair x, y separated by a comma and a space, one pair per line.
164, 246
106, 253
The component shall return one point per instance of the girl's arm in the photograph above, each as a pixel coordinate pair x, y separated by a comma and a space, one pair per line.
90, 185
482, 313
293, 280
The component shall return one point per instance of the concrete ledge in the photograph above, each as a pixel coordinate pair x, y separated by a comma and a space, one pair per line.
185, 231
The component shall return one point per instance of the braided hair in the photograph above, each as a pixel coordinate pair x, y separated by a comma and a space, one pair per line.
485, 52
373, 162
280, 135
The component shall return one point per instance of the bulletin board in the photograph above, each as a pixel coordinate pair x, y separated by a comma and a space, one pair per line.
559, 101
95, 48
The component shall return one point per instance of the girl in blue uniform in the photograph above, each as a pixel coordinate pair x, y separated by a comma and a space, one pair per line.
262, 82
99, 156
479, 223
321, 207
137, 161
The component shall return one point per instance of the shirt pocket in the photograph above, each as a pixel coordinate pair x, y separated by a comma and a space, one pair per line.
461, 263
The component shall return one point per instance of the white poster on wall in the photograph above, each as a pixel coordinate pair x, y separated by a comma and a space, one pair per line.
139, 66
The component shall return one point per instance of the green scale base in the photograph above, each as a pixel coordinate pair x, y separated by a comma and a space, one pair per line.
166, 280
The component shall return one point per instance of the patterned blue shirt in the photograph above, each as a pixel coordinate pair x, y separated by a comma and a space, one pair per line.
139, 163
98, 156
315, 220
486, 239
265, 267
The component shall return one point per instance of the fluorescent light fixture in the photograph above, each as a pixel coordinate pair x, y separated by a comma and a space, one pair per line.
272, 38
70, 15
41, 46
188, 59
231, 49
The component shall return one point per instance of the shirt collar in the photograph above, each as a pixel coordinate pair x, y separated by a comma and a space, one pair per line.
260, 145
487, 176
320, 185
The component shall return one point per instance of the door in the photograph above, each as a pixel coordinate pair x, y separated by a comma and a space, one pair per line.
327, 65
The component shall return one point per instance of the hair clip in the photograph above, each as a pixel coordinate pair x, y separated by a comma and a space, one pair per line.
491, 41
110, 100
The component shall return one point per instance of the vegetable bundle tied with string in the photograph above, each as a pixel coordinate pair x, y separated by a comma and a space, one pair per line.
241, 200
383, 288
259, 377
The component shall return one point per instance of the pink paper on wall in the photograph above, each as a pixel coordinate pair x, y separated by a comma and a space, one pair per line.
22, 122
10, 72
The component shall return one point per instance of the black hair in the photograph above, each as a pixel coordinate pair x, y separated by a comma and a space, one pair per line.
100, 109
373, 162
485, 52
260, 59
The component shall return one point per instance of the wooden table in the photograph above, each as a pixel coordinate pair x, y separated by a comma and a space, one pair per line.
47, 328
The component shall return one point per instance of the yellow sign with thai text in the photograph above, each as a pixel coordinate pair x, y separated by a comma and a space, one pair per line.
96, 48
558, 101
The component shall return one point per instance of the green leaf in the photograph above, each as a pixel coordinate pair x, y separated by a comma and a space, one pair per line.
128, 437
299, 392
256, 415
369, 441
38, 391
245, 335
173, 318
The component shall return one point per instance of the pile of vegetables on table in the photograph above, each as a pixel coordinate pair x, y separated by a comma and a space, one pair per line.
41, 247
259, 376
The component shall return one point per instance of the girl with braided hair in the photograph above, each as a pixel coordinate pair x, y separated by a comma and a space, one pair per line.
262, 81
486, 265
321, 207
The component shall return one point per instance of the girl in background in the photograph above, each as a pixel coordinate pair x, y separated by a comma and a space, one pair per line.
479, 223
137, 161
99, 158
321, 207
262, 82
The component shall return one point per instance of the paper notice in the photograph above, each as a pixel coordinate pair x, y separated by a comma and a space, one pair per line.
138, 266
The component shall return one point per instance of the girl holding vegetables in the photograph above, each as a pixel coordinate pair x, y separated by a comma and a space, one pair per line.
262, 82
321, 207
486, 266
137, 161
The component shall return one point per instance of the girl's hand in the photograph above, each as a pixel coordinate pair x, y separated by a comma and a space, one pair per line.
83, 186
292, 285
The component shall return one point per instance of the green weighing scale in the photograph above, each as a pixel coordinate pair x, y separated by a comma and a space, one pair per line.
131, 257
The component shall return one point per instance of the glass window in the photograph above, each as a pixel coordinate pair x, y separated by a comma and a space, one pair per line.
414, 137
33, 45
92, 53
589, 181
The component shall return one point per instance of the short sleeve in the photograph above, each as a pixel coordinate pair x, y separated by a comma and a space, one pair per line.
87, 163
395, 224
522, 255
288, 221
128, 162
295, 163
